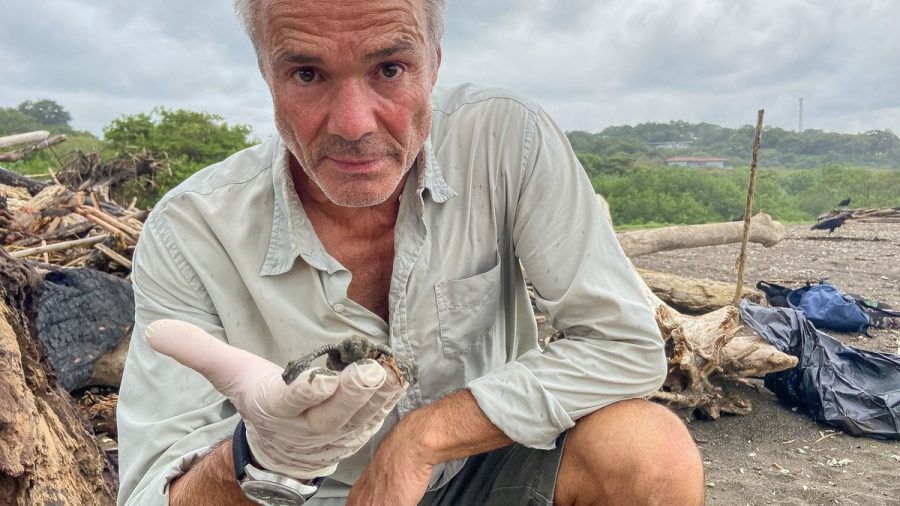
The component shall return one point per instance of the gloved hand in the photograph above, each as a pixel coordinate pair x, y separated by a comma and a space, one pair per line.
303, 429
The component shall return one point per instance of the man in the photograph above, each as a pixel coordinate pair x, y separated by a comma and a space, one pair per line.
401, 216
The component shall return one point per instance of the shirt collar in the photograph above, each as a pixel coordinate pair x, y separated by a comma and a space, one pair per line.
431, 177
292, 232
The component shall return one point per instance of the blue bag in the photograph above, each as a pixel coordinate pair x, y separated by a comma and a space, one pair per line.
857, 391
827, 307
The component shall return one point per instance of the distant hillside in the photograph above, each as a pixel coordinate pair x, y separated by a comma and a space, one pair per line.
651, 143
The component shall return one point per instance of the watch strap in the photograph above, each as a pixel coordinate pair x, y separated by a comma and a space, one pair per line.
240, 450
240, 454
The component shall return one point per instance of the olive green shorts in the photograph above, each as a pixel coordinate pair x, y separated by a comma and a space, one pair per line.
513, 475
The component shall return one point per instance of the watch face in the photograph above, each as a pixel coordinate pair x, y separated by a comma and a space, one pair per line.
268, 493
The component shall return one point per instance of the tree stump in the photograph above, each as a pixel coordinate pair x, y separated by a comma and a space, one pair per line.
707, 360
48, 454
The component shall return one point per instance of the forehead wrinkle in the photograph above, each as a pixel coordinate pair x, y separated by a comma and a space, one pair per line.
295, 47
318, 31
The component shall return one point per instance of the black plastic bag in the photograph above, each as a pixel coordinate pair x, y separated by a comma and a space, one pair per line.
776, 295
855, 390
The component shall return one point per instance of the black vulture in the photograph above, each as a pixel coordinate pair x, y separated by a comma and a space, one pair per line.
831, 223
845, 202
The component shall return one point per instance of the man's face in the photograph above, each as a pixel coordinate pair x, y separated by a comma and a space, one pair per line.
350, 82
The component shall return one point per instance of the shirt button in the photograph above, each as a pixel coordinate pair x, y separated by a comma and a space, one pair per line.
338, 308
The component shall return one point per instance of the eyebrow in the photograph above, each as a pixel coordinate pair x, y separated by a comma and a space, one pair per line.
283, 58
398, 47
298, 58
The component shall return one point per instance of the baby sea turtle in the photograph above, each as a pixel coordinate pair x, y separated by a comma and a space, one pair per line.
352, 349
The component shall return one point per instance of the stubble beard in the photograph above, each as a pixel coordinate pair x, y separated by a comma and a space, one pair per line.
369, 146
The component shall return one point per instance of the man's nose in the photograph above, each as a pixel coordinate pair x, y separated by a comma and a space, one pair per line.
352, 111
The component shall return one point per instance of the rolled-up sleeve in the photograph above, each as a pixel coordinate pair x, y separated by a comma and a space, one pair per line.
612, 348
168, 415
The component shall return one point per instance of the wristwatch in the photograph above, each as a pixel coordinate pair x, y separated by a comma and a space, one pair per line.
265, 487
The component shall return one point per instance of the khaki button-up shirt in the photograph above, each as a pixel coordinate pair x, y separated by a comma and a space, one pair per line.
231, 250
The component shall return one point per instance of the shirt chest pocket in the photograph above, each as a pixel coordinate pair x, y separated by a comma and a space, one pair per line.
467, 310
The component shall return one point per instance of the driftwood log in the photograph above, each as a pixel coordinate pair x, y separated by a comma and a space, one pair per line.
7, 141
11, 178
706, 359
49, 203
764, 231
18, 154
693, 295
47, 453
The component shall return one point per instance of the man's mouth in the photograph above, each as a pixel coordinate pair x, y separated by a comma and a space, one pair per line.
354, 165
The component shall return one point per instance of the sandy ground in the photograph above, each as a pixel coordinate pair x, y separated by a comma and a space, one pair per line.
778, 455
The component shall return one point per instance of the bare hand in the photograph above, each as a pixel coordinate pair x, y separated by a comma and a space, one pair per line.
396, 476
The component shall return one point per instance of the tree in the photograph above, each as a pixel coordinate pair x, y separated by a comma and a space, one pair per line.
48, 113
191, 140
881, 142
130, 133
13, 121
193, 137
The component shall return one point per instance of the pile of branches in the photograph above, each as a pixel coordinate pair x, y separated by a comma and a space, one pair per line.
76, 221
59, 227
127, 173
864, 215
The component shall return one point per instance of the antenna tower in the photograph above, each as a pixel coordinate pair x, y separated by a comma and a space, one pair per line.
800, 123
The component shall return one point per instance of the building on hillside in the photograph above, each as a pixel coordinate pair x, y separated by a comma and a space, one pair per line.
698, 161
672, 144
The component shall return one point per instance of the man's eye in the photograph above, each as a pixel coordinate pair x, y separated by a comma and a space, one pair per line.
305, 75
390, 71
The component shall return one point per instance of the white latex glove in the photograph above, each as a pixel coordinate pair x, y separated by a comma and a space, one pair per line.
303, 429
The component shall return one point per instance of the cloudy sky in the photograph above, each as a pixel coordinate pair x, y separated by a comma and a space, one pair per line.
590, 63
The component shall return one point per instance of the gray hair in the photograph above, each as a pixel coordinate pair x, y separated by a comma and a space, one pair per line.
247, 11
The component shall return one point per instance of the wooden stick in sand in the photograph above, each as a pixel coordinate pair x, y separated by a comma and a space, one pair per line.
748, 209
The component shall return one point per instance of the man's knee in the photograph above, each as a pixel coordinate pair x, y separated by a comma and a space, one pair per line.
631, 451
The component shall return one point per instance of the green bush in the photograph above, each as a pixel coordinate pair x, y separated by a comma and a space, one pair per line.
675, 195
191, 140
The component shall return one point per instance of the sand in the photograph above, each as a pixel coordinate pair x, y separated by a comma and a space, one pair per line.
777, 454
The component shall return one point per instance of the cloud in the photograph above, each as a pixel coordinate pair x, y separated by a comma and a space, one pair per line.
590, 64
593, 64
102, 60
